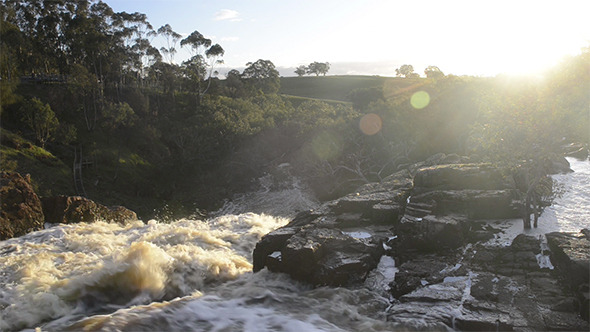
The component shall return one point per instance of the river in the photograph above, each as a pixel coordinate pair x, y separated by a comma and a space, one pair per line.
196, 274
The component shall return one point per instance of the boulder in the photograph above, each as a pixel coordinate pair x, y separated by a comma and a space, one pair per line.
319, 256
556, 164
570, 253
75, 209
379, 203
271, 243
21, 210
576, 150
324, 247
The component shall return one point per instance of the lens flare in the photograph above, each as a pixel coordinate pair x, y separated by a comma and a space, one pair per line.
420, 100
370, 124
326, 146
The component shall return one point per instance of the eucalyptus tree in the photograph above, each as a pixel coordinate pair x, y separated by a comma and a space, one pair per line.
172, 39
135, 33
23, 15
213, 54
197, 67
196, 42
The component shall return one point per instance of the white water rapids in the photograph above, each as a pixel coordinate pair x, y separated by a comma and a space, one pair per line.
195, 275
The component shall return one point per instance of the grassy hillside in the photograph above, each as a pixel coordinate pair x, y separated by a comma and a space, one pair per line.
298, 100
337, 88
50, 175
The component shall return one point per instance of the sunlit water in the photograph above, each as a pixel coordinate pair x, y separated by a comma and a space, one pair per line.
570, 212
195, 275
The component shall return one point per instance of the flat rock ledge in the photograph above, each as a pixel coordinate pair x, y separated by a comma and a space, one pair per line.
435, 222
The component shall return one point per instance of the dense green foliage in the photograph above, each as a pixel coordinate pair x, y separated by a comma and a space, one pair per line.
155, 133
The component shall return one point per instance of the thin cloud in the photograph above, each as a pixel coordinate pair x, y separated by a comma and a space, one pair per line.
229, 39
227, 14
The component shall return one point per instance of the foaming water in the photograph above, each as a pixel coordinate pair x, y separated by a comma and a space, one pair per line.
263, 301
283, 195
73, 270
571, 211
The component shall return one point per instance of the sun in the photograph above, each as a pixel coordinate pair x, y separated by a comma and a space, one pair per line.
504, 37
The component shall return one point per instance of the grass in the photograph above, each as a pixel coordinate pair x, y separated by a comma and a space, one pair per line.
50, 176
297, 100
337, 88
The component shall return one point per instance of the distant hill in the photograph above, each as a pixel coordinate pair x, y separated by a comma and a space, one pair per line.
337, 88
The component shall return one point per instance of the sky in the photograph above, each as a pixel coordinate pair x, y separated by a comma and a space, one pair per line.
374, 37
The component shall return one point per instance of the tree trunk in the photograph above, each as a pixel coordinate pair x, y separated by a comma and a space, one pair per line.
527, 212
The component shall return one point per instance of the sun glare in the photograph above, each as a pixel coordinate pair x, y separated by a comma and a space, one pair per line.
468, 37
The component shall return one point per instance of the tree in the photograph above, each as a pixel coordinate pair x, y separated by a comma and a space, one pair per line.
197, 65
233, 84
117, 115
301, 70
195, 41
262, 75
433, 72
405, 70
172, 38
41, 119
213, 54
166, 76
318, 68
84, 86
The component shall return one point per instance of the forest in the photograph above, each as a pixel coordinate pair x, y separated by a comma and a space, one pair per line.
170, 139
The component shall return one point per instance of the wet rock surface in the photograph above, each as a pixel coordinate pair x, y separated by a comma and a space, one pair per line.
489, 289
436, 221
20, 210
571, 255
340, 243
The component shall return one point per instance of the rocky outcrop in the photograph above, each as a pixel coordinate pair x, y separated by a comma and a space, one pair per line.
21, 210
435, 221
324, 256
75, 209
556, 164
439, 207
485, 289
576, 150
449, 204
476, 191
340, 243
571, 255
